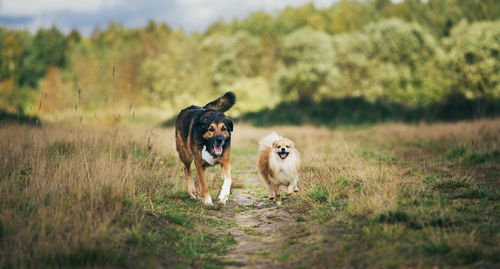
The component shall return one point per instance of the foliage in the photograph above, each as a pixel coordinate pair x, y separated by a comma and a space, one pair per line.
348, 16
473, 61
50, 47
177, 76
234, 57
408, 52
335, 112
253, 94
390, 60
307, 58
10, 94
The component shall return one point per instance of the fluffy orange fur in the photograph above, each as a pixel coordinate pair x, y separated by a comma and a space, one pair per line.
277, 171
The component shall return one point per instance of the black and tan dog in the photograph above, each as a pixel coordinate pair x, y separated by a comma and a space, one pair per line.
203, 134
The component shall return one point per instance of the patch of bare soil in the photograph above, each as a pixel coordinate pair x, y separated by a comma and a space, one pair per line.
267, 236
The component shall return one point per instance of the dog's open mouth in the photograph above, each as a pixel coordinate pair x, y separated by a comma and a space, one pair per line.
218, 149
283, 155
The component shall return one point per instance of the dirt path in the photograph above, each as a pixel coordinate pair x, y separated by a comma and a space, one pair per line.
266, 235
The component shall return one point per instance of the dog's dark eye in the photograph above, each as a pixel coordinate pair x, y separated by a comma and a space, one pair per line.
211, 129
287, 146
223, 129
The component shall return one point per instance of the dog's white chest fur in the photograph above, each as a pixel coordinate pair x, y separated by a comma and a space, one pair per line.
207, 157
285, 171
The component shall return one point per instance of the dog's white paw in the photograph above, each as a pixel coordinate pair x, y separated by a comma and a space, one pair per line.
278, 202
224, 195
223, 198
208, 201
226, 189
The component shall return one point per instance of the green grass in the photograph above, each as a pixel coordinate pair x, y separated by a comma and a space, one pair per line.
457, 152
318, 194
177, 219
415, 195
414, 198
86, 199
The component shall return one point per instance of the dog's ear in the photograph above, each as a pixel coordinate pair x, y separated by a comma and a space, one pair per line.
274, 144
229, 124
291, 143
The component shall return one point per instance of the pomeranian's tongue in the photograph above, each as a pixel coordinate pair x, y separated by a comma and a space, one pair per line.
218, 149
283, 155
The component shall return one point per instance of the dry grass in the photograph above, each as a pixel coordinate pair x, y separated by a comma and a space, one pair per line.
61, 193
331, 161
86, 196
418, 195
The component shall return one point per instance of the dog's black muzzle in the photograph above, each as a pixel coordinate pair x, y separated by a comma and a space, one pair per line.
283, 153
218, 144
219, 140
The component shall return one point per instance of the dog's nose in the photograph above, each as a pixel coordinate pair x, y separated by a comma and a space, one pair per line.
219, 140
283, 149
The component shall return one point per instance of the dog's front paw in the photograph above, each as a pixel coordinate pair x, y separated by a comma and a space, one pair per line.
223, 198
278, 203
192, 195
225, 191
208, 201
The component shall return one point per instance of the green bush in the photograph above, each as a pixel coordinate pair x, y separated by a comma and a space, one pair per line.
308, 68
179, 76
234, 56
390, 60
254, 94
473, 55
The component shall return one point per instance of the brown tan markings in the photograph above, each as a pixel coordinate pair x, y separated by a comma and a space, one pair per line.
215, 129
207, 123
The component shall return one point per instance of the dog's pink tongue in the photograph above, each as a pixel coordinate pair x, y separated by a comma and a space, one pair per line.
282, 155
218, 149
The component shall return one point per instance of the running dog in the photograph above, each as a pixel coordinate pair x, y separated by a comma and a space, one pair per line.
278, 164
203, 134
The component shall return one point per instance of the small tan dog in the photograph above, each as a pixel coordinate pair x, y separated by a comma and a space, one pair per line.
278, 164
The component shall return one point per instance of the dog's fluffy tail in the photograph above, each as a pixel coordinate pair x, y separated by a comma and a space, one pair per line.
223, 103
267, 141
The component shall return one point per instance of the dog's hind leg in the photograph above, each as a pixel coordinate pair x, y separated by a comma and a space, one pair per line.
269, 186
271, 192
289, 189
277, 195
295, 188
226, 187
186, 159
205, 194
189, 181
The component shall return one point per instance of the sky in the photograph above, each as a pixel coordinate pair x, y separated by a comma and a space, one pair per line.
85, 15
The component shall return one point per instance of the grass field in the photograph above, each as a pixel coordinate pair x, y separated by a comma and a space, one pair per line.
389, 195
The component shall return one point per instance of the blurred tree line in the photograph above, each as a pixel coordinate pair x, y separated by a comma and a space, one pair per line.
412, 53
